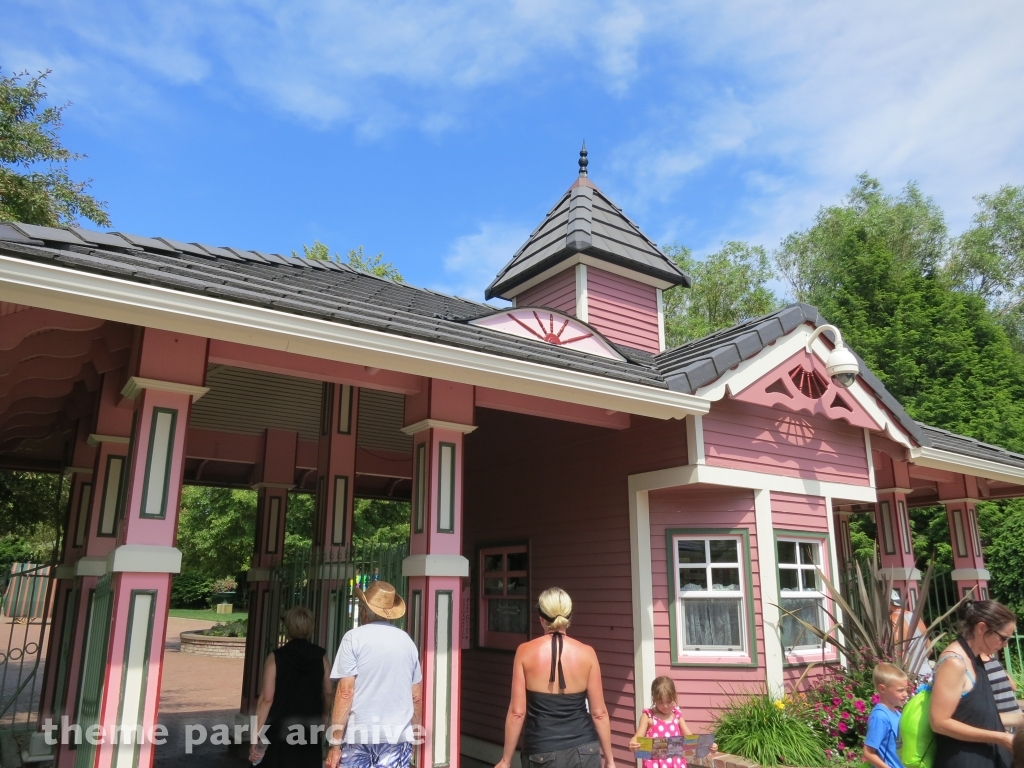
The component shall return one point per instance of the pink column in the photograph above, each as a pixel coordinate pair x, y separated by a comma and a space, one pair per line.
969, 572
170, 372
275, 477
62, 611
438, 418
335, 496
895, 544
95, 526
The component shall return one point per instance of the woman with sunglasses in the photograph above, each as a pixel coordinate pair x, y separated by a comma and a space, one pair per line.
964, 716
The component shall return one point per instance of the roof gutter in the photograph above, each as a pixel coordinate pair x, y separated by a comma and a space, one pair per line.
936, 458
84, 293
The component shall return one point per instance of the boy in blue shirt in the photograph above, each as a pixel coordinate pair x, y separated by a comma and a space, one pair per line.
882, 742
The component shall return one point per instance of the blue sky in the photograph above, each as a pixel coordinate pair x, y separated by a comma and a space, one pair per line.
441, 133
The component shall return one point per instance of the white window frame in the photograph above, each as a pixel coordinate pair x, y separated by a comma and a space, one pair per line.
802, 593
684, 651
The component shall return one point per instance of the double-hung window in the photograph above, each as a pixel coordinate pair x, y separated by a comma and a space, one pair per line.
504, 597
800, 591
711, 595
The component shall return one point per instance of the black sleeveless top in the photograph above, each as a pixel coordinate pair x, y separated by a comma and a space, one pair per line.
977, 708
298, 689
556, 721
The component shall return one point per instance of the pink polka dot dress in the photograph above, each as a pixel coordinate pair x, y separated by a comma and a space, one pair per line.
660, 729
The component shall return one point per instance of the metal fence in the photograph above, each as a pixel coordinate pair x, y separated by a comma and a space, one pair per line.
24, 622
325, 584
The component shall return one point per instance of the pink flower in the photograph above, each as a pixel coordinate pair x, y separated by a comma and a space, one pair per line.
875, 699
858, 705
842, 727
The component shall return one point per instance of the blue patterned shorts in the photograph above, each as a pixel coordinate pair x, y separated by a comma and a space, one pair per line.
376, 755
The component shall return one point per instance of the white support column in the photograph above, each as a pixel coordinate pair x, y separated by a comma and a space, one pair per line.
833, 553
582, 300
695, 439
644, 668
767, 568
661, 319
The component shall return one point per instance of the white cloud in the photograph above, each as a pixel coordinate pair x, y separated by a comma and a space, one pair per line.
804, 97
474, 260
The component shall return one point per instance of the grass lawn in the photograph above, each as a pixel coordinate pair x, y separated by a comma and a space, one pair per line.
207, 614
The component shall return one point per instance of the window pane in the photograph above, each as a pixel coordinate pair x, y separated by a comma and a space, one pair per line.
710, 624
794, 634
787, 552
691, 552
507, 616
516, 585
788, 580
810, 579
693, 578
725, 578
808, 553
493, 563
516, 561
724, 551
493, 586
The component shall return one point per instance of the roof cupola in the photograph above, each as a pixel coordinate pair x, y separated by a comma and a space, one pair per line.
587, 259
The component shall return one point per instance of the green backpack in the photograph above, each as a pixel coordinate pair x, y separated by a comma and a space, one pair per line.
917, 741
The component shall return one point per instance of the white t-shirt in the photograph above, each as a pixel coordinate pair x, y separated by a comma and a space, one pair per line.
385, 663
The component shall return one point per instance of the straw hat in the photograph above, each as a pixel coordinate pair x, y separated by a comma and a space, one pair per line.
380, 598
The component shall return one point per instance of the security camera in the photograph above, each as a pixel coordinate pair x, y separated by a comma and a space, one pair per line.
842, 365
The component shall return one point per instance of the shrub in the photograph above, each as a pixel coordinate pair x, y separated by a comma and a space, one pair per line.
228, 629
838, 705
191, 590
770, 732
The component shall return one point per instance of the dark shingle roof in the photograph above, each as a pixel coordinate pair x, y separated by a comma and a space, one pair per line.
337, 293
584, 220
968, 446
320, 289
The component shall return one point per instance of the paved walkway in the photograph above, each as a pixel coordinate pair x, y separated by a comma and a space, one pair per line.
197, 690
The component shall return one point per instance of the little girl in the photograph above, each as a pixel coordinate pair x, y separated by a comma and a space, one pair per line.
663, 718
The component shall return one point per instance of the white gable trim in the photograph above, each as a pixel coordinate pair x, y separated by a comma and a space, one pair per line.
771, 357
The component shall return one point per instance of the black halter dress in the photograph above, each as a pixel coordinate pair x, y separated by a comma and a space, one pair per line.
977, 708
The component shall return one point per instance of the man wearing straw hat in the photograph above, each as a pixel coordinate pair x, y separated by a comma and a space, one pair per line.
375, 719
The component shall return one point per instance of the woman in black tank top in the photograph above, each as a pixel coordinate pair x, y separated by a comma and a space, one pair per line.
968, 730
557, 698
296, 691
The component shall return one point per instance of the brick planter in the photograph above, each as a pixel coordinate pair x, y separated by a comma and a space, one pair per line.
198, 644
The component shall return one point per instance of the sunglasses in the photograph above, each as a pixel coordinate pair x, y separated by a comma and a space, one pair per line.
1004, 638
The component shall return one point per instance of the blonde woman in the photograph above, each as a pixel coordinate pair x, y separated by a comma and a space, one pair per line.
297, 691
557, 698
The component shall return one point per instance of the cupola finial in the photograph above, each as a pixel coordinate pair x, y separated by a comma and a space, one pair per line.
583, 160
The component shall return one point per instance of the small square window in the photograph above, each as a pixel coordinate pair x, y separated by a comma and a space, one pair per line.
711, 602
504, 597
800, 593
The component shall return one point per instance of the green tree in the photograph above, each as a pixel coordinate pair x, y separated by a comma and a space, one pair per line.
729, 286
372, 265
35, 187
988, 259
1002, 526
31, 516
872, 267
376, 521
216, 531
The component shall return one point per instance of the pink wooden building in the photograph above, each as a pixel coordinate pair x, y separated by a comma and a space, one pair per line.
678, 495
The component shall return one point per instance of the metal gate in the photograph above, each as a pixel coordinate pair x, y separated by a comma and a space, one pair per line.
325, 585
26, 597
